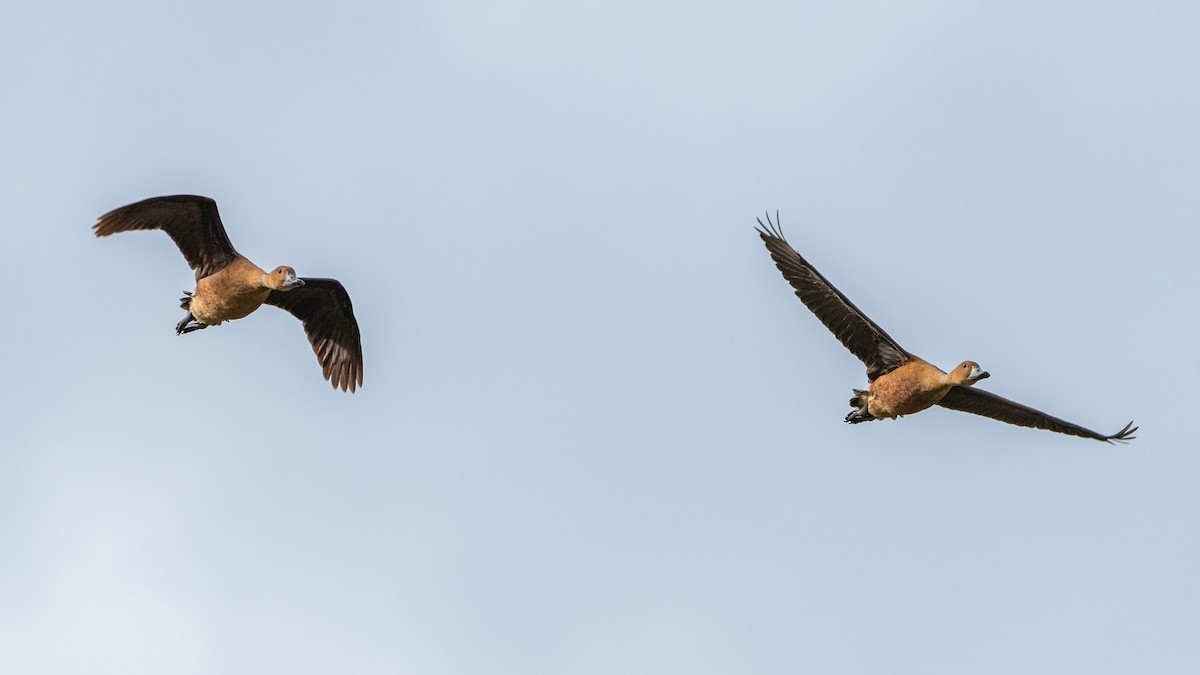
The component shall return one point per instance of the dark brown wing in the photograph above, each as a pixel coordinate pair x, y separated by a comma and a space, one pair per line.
861, 336
190, 220
324, 307
980, 402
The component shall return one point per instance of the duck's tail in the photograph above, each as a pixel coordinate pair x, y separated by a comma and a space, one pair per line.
186, 301
859, 403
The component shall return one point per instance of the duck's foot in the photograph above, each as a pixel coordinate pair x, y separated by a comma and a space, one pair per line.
859, 403
860, 415
188, 325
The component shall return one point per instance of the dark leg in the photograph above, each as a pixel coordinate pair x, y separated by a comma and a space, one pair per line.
182, 327
860, 415
859, 403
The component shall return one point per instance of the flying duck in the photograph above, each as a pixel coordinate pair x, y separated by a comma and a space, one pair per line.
901, 383
228, 286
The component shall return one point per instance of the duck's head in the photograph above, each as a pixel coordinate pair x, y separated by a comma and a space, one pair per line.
968, 373
283, 278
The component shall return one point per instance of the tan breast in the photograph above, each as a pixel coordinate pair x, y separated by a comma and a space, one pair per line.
232, 293
911, 388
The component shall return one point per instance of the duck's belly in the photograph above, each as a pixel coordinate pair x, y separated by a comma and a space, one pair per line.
891, 396
212, 308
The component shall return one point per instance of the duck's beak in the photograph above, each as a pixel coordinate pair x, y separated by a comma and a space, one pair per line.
978, 374
292, 281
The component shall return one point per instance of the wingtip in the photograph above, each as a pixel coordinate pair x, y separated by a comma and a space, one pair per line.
770, 229
346, 381
1123, 436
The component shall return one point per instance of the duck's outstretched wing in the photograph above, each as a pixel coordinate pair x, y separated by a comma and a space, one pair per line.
861, 336
981, 402
323, 306
191, 221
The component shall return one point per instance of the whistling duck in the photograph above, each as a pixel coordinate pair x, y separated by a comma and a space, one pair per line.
228, 286
900, 383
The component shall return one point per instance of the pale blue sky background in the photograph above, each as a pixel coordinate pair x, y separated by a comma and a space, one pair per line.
598, 433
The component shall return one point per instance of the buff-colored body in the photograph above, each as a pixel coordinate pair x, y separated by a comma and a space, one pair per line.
913, 387
234, 292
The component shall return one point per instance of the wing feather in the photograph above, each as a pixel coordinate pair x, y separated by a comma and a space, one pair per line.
324, 307
859, 334
985, 403
191, 221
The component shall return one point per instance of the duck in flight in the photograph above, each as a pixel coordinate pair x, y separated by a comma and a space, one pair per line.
228, 286
901, 383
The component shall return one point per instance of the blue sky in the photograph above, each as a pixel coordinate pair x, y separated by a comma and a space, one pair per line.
598, 433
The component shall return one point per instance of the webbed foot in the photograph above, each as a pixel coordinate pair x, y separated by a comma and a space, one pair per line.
188, 325
859, 403
860, 415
